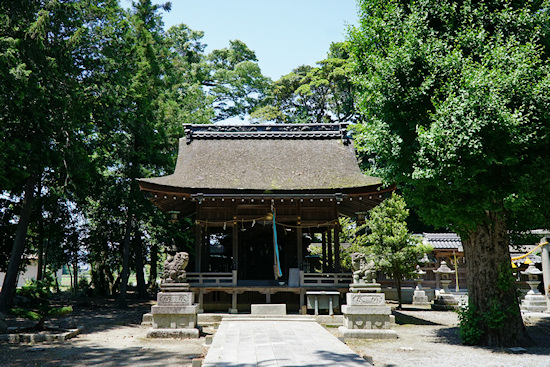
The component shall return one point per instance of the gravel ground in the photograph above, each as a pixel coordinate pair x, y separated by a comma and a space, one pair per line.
113, 337
430, 338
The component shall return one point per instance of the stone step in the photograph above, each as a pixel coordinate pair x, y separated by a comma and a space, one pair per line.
147, 320
216, 318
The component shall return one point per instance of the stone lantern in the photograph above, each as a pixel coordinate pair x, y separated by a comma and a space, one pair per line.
419, 296
445, 300
534, 301
445, 272
533, 275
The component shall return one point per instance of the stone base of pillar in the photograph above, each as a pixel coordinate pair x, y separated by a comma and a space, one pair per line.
366, 316
366, 333
420, 298
147, 320
534, 303
233, 310
445, 302
173, 333
175, 315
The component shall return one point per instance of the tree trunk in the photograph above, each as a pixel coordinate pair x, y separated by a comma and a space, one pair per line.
399, 297
10, 281
70, 274
153, 267
45, 260
75, 275
116, 285
491, 286
40, 249
140, 276
125, 263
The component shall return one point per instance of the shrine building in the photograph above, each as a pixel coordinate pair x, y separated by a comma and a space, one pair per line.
259, 195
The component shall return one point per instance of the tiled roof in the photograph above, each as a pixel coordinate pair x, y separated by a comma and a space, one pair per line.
443, 240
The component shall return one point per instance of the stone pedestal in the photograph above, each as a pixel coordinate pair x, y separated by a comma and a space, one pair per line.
419, 295
445, 301
420, 298
534, 301
175, 315
366, 316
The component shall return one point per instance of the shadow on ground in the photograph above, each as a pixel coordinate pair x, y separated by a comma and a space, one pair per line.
539, 330
68, 354
335, 359
403, 319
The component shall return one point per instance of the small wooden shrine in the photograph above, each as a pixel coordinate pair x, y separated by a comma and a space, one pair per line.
258, 195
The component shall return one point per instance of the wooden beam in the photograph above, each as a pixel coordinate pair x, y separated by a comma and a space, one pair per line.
235, 244
299, 250
198, 247
324, 250
329, 247
337, 248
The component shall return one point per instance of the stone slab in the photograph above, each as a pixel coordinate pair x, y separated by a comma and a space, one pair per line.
365, 288
174, 287
268, 309
278, 343
174, 310
365, 299
173, 333
366, 310
175, 298
40, 336
366, 333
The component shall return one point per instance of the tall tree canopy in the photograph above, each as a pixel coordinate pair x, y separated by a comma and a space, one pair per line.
94, 95
457, 101
321, 94
44, 118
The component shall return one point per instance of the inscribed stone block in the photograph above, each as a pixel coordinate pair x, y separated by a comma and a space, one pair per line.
365, 299
175, 298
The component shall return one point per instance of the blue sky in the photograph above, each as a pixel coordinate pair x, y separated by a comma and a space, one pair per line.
283, 33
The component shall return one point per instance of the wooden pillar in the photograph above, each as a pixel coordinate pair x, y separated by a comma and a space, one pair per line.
299, 250
235, 244
337, 248
233, 308
324, 250
201, 301
205, 253
303, 309
198, 247
329, 248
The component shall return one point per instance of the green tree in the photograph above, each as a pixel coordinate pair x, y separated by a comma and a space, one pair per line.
395, 250
45, 120
235, 80
321, 94
133, 139
456, 95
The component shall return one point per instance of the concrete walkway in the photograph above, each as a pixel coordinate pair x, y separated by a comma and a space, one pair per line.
278, 342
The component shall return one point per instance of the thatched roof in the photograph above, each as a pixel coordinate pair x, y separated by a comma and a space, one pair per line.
265, 158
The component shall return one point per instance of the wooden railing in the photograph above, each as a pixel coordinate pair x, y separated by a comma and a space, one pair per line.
215, 279
325, 279
309, 280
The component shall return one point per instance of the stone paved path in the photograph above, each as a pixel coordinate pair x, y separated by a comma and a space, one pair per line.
266, 343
